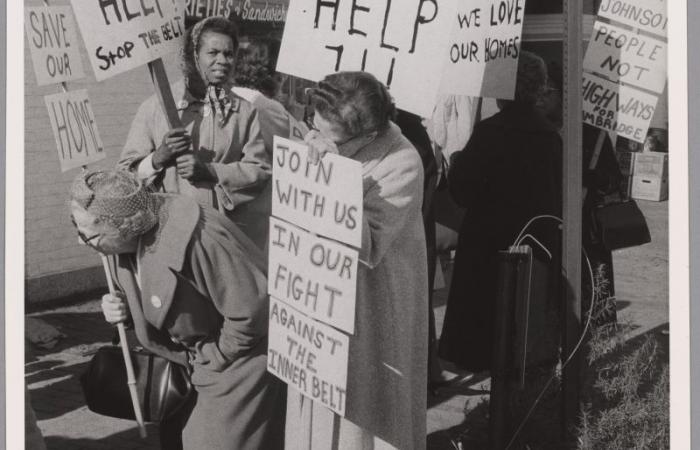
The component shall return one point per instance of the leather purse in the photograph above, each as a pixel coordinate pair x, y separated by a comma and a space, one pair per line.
621, 224
163, 386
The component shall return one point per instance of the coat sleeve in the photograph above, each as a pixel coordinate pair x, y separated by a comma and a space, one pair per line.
244, 180
468, 173
394, 197
140, 141
238, 289
147, 335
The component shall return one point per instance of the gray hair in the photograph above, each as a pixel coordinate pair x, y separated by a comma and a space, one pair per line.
531, 79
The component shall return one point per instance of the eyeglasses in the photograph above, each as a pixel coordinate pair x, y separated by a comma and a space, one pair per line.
86, 239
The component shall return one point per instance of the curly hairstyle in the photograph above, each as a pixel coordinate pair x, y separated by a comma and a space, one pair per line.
255, 71
355, 100
193, 42
531, 79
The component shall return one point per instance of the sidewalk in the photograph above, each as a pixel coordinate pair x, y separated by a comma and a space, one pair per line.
52, 376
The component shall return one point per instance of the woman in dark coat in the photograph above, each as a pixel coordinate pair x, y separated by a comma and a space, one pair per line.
195, 288
509, 172
604, 179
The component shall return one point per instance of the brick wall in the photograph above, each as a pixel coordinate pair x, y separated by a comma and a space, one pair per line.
53, 256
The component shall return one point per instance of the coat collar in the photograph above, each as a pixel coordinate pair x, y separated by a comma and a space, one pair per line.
522, 117
163, 254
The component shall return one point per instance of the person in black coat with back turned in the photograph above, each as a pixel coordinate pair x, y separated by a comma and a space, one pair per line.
508, 173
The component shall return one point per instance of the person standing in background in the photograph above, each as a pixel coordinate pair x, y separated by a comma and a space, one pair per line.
509, 172
219, 156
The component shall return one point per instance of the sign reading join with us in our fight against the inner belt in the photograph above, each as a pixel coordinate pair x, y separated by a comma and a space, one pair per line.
324, 198
308, 355
317, 276
121, 35
53, 43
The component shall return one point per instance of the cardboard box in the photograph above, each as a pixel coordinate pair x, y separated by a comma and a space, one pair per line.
651, 165
649, 188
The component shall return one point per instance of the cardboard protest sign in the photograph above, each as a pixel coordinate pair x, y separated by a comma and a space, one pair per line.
400, 42
122, 35
617, 108
483, 49
307, 355
53, 43
622, 55
75, 129
325, 198
315, 275
647, 15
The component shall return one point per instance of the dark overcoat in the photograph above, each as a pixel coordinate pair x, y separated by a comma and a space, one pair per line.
197, 285
508, 173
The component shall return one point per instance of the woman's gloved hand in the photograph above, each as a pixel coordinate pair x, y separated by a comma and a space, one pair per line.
319, 145
175, 142
114, 308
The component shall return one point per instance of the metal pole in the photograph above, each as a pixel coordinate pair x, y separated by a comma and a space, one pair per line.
572, 204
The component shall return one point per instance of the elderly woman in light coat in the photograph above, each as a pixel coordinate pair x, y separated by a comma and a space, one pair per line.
195, 288
219, 156
386, 388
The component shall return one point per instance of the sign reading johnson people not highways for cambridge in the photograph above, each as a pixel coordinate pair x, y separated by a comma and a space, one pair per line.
121, 35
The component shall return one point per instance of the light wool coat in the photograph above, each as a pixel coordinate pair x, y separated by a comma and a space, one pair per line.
236, 152
386, 387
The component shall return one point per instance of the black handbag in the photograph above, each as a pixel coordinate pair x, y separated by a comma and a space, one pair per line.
163, 386
621, 224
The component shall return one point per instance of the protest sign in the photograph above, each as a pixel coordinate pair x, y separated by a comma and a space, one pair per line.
622, 55
325, 198
53, 43
270, 11
122, 35
617, 108
315, 275
483, 49
647, 15
400, 42
307, 355
75, 129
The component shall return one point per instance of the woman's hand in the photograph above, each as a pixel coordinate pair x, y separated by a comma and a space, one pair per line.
319, 145
114, 308
191, 168
174, 142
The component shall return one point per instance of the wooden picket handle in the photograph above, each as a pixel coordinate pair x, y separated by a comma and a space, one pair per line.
130, 378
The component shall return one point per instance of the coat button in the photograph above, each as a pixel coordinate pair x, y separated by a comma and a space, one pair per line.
182, 104
155, 301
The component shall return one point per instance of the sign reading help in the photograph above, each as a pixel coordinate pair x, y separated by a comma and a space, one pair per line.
53, 43
310, 356
316, 276
484, 48
124, 34
622, 55
400, 42
648, 15
325, 198
620, 109
75, 129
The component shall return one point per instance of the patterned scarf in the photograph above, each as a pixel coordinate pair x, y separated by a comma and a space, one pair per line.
220, 102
